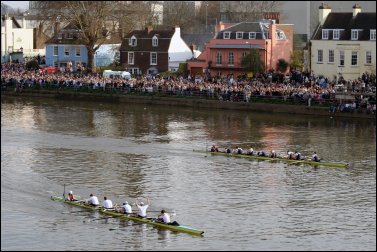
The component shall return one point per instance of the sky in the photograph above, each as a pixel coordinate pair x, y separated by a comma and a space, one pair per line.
17, 4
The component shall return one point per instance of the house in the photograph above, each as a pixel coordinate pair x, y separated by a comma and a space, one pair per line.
15, 39
66, 50
151, 51
344, 43
223, 53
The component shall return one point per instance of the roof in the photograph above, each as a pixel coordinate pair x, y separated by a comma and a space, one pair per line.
345, 21
144, 39
244, 27
198, 39
236, 46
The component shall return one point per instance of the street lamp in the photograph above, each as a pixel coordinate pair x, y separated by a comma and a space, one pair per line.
206, 15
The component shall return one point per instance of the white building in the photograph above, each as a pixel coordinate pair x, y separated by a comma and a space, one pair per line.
344, 43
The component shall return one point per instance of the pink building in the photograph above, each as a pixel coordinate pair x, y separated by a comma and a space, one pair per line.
222, 54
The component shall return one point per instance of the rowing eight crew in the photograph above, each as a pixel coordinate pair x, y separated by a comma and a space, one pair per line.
126, 208
290, 154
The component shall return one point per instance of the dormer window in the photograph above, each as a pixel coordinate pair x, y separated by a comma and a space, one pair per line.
60, 35
354, 34
132, 41
226, 35
325, 34
336, 34
252, 35
69, 36
372, 34
155, 41
239, 35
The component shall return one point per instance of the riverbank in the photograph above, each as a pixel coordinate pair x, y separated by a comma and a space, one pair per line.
189, 102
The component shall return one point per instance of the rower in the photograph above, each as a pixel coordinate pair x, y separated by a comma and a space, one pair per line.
164, 217
93, 200
214, 148
297, 155
315, 157
290, 155
228, 150
126, 208
108, 204
142, 213
273, 154
238, 150
250, 152
261, 154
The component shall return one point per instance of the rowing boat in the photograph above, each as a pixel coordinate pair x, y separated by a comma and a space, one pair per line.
290, 161
112, 213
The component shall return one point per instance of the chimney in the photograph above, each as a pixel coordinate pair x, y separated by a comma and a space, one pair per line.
355, 10
149, 28
323, 12
177, 31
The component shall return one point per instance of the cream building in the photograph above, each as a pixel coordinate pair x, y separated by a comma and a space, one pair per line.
344, 44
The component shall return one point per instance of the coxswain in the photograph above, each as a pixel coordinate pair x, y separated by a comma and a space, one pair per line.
315, 157
71, 197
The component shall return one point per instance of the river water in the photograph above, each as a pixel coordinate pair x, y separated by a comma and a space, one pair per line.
125, 151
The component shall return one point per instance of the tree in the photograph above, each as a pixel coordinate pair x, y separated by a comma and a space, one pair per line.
95, 20
297, 59
252, 62
282, 65
239, 11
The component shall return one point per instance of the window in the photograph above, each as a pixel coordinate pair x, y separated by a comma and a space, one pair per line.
244, 54
368, 57
372, 34
239, 35
252, 35
131, 58
354, 34
154, 41
66, 51
132, 41
218, 58
56, 50
331, 56
78, 51
60, 35
320, 56
153, 58
325, 34
231, 58
336, 34
341, 58
226, 35
354, 59
69, 36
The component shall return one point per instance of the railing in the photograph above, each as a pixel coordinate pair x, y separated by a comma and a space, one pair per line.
329, 101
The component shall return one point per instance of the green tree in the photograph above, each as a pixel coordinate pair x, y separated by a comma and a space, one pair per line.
282, 65
252, 62
297, 59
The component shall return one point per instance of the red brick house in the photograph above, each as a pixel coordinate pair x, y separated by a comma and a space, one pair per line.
223, 53
153, 51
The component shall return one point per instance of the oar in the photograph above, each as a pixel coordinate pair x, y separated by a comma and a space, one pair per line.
64, 192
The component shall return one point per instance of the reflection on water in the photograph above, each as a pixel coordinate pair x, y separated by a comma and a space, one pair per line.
125, 151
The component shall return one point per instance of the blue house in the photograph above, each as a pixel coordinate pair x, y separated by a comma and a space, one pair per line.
64, 49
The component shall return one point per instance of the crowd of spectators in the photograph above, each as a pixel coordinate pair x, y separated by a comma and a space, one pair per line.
304, 87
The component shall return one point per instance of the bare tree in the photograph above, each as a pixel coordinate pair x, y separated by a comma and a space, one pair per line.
95, 19
238, 11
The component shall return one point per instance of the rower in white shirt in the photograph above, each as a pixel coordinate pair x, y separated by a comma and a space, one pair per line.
142, 213
107, 203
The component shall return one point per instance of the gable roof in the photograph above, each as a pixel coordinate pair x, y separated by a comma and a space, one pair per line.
363, 20
244, 27
144, 40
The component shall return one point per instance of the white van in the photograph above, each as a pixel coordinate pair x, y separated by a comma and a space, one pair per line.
116, 74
